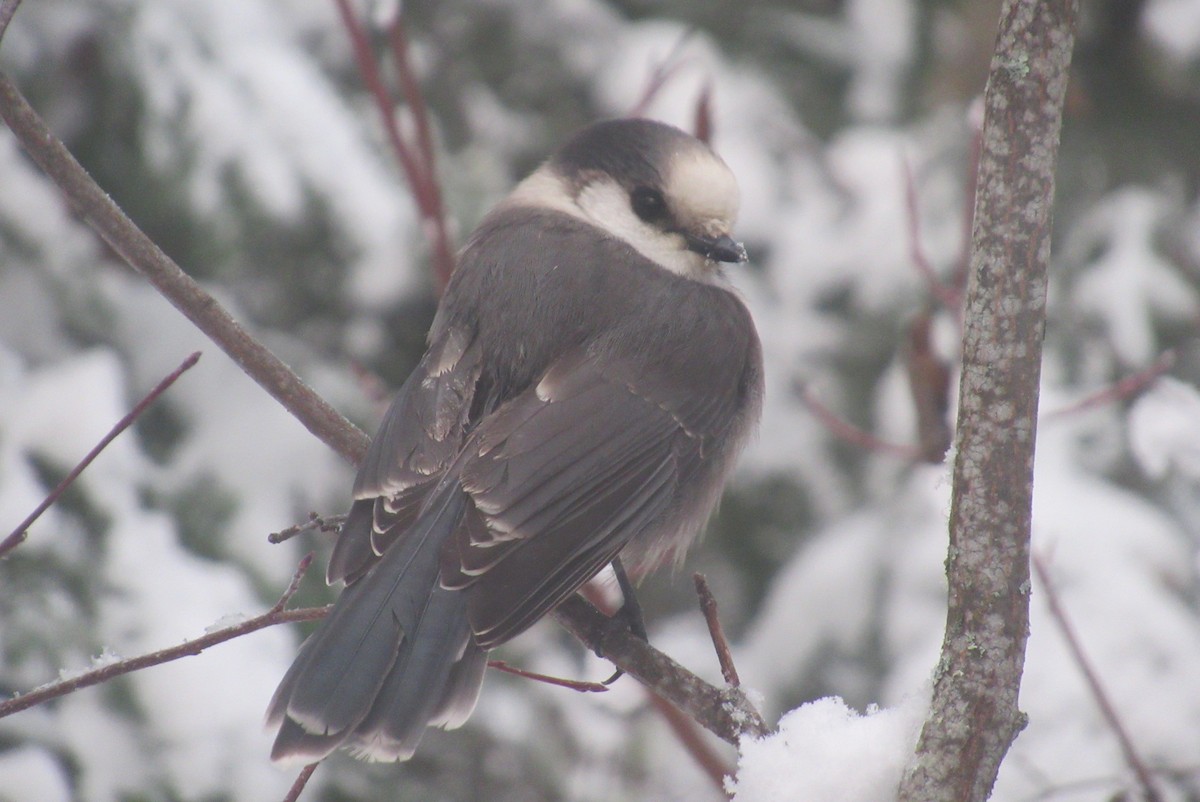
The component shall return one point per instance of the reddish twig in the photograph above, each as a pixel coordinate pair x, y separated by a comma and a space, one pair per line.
662, 72
575, 685
301, 780
276, 615
708, 605
7, 9
1120, 390
929, 383
420, 177
690, 737
443, 250
702, 122
19, 534
948, 297
1132, 759
847, 431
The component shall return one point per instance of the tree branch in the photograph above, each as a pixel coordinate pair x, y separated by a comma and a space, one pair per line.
104, 216
974, 716
276, 615
1133, 760
19, 534
726, 713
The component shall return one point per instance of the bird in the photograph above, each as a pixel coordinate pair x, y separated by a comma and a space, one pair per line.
590, 378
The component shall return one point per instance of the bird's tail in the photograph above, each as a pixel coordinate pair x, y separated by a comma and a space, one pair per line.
394, 656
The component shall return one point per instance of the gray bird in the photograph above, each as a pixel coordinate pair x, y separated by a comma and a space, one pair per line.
589, 382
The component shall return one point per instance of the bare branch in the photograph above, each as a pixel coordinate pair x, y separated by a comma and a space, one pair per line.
575, 685
19, 534
7, 9
974, 717
845, 430
1132, 759
443, 249
276, 615
702, 117
929, 383
331, 523
1125, 388
708, 605
715, 767
947, 296
139, 251
185, 649
301, 780
725, 713
421, 181
662, 73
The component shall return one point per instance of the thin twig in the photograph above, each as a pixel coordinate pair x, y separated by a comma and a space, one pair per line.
702, 116
301, 780
294, 584
332, 523
708, 605
715, 767
929, 383
847, 431
143, 255
1058, 613
20, 533
561, 682
1120, 390
443, 249
662, 72
946, 296
7, 9
373, 79
276, 615
420, 177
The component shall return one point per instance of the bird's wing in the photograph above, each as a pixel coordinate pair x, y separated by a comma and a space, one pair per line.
561, 477
420, 436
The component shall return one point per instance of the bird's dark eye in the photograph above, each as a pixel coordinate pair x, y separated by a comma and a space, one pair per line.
648, 204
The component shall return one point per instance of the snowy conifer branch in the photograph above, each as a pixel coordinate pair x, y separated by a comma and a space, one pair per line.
974, 716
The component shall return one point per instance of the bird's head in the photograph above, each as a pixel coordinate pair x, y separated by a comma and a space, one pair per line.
664, 192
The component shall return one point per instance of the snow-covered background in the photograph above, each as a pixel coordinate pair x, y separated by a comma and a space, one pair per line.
236, 132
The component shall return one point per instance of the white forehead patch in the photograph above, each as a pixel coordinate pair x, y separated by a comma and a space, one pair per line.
703, 189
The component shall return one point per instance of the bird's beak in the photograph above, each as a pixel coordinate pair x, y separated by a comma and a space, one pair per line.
723, 248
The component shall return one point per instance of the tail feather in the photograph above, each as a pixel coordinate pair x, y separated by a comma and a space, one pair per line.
394, 656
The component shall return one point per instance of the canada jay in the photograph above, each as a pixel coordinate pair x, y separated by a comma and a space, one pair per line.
589, 382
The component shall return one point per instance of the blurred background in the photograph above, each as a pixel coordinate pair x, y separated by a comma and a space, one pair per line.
238, 134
